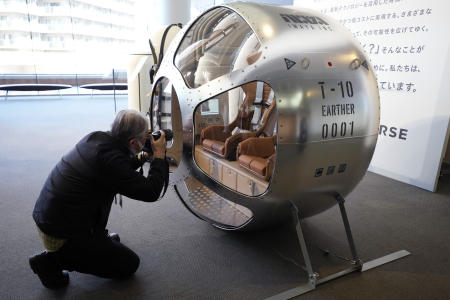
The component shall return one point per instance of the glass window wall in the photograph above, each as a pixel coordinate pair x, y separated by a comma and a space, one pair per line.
73, 42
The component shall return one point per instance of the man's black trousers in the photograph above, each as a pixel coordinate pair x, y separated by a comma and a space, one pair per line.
98, 255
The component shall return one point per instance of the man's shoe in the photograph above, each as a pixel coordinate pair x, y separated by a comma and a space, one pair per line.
50, 275
114, 237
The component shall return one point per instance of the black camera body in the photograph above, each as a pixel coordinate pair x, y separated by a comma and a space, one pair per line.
156, 135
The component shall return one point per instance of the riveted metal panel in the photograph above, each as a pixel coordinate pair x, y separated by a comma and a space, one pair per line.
327, 110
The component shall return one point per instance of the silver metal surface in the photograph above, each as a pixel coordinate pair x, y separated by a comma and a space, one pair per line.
384, 260
314, 278
338, 274
307, 287
301, 239
297, 291
348, 231
213, 207
327, 109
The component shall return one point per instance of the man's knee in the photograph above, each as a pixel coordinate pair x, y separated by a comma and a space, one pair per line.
125, 264
131, 264
109, 260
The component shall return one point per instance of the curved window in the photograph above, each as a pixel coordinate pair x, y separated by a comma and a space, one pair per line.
235, 137
218, 43
162, 105
165, 114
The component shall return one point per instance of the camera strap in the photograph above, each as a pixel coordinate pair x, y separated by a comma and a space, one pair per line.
166, 178
120, 199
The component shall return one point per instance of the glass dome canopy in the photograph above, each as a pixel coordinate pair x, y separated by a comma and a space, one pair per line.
218, 43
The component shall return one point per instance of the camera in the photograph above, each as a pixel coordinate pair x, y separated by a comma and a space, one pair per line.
156, 135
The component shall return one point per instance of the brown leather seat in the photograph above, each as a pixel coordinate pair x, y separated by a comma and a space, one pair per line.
219, 139
257, 155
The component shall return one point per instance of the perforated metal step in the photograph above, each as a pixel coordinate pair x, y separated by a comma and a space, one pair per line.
207, 203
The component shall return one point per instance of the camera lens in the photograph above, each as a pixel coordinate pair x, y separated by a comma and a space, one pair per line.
168, 133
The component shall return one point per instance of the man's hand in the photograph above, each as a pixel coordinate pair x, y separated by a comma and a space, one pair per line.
146, 155
159, 146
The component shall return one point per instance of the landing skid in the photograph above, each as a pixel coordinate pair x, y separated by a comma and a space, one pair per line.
314, 279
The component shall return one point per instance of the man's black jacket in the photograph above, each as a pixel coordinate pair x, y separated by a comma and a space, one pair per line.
77, 196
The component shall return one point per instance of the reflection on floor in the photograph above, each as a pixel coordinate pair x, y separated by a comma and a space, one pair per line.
214, 207
230, 173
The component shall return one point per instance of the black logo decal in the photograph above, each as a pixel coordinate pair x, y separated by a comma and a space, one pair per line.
302, 19
289, 63
365, 65
330, 170
318, 172
342, 168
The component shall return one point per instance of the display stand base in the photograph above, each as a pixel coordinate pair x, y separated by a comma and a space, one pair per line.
314, 278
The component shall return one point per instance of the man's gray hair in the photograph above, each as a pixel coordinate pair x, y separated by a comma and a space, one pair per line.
128, 124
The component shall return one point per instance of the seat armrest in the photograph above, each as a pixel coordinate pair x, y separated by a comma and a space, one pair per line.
215, 132
232, 142
270, 163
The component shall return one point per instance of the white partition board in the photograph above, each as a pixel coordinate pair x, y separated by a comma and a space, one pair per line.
407, 42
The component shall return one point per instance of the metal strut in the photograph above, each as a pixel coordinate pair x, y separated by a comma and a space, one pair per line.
313, 277
356, 261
